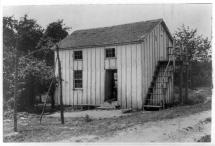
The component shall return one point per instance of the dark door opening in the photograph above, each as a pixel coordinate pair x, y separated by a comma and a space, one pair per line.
111, 85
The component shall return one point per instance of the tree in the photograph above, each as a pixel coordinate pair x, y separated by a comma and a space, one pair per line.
9, 44
29, 33
21, 36
199, 55
54, 32
35, 77
36, 71
199, 48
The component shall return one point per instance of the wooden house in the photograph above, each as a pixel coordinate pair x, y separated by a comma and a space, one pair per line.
130, 64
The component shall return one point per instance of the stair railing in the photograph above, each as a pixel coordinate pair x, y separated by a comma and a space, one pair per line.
163, 78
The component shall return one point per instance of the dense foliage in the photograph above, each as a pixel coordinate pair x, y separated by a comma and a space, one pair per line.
199, 56
36, 71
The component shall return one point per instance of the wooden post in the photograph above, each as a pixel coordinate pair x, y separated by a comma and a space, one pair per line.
15, 88
181, 77
186, 75
60, 86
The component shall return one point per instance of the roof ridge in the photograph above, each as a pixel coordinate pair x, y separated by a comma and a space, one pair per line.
153, 20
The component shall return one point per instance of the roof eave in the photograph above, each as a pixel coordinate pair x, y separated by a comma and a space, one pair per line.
103, 45
167, 30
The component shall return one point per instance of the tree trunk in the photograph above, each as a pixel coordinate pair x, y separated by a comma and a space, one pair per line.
60, 85
52, 96
15, 91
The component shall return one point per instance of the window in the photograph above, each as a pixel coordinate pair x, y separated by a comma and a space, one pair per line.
77, 79
110, 52
78, 55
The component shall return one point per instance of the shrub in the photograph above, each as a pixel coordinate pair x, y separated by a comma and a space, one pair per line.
195, 97
206, 138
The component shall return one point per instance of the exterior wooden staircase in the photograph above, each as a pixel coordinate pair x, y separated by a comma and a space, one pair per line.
158, 95
160, 92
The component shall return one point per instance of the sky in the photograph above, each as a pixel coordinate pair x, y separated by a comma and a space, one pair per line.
90, 16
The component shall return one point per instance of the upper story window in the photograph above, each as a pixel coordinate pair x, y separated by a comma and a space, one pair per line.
78, 55
110, 52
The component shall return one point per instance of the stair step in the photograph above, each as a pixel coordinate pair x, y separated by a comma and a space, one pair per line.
154, 94
105, 108
158, 85
107, 105
158, 106
164, 76
164, 62
157, 88
161, 82
166, 71
156, 77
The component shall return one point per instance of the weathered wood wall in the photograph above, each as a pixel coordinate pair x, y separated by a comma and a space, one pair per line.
94, 63
154, 48
129, 76
135, 64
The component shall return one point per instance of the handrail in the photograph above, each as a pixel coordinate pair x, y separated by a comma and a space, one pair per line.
162, 85
167, 67
171, 58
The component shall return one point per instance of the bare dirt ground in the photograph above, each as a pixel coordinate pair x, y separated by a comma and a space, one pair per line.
94, 114
178, 124
183, 129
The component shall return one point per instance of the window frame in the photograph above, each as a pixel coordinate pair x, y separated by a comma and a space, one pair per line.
77, 79
108, 49
74, 56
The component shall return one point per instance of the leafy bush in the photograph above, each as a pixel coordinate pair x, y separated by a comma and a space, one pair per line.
34, 72
206, 138
195, 96
195, 99
199, 56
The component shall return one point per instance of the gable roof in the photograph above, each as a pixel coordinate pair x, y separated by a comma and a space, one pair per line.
114, 35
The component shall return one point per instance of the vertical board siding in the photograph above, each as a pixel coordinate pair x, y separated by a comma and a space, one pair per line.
85, 70
98, 69
123, 86
66, 77
102, 76
154, 48
92, 66
134, 76
128, 76
89, 77
71, 97
139, 73
93, 73
119, 74
63, 76
135, 64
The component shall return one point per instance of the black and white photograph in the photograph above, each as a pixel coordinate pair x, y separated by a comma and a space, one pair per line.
107, 73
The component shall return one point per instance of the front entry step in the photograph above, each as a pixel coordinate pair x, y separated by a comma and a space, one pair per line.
152, 107
109, 105
156, 106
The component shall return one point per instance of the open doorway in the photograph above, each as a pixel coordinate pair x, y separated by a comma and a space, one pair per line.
111, 85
